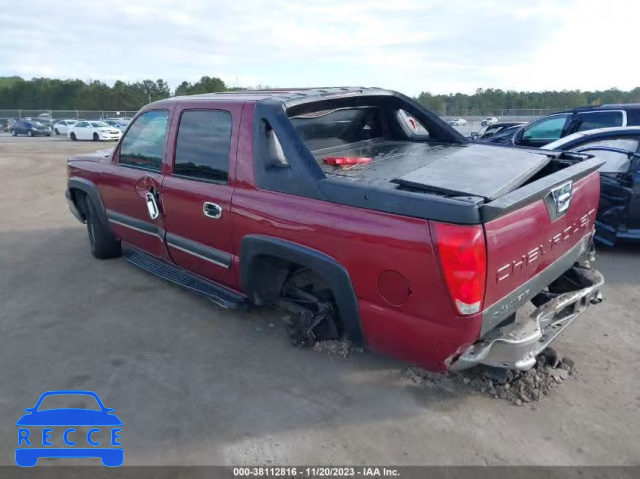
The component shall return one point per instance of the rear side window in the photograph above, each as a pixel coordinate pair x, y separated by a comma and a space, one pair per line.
633, 117
598, 119
324, 129
203, 146
143, 145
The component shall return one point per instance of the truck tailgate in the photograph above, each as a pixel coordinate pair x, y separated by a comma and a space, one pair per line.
530, 243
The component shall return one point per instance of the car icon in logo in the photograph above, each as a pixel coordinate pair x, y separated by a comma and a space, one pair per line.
36, 431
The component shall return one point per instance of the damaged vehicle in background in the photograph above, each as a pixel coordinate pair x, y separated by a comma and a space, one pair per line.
360, 212
619, 211
553, 127
500, 133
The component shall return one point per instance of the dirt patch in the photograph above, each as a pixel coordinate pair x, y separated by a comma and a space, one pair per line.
338, 347
517, 387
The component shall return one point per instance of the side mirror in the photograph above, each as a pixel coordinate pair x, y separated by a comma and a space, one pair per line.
29, 409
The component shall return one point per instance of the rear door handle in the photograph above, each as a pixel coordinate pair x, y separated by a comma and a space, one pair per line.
212, 210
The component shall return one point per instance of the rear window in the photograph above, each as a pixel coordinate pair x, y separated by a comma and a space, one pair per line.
598, 119
330, 128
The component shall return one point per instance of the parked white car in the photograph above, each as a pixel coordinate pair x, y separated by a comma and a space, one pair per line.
93, 130
490, 120
458, 122
62, 127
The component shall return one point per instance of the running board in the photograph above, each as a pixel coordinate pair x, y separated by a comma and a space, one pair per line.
181, 277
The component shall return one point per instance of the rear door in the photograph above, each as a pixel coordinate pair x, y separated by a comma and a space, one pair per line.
196, 194
130, 186
620, 177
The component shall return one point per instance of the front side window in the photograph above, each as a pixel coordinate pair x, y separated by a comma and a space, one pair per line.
203, 145
598, 119
547, 128
143, 145
81, 124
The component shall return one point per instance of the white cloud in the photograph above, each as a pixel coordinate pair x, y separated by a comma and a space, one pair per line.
406, 45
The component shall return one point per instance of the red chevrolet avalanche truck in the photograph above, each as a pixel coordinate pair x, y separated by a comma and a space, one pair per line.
358, 210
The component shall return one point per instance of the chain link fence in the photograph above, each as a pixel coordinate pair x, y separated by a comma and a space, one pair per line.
66, 114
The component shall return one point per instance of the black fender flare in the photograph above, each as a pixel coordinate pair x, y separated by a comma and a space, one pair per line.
91, 190
255, 246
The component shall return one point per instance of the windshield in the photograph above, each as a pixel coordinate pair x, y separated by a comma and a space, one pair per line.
61, 401
98, 124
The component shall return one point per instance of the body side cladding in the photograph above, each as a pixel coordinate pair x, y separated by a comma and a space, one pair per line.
200, 250
255, 246
91, 190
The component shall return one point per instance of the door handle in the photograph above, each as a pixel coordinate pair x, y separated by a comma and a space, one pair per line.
152, 206
212, 210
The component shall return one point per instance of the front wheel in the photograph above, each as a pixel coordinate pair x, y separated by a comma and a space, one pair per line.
57, 132
13, 133
104, 244
96, 137
29, 133
73, 136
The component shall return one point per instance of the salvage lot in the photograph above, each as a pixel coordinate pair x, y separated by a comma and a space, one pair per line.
196, 384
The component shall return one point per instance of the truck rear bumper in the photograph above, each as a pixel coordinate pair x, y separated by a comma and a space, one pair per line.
515, 346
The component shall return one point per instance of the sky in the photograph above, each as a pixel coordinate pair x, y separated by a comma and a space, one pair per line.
440, 46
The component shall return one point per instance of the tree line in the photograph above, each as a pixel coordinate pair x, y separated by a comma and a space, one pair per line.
54, 94
494, 101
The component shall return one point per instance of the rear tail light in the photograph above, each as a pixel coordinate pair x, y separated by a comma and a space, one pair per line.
463, 259
346, 160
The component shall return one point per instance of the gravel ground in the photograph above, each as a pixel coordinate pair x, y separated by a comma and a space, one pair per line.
196, 384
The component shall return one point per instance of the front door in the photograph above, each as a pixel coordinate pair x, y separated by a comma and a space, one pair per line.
196, 194
130, 187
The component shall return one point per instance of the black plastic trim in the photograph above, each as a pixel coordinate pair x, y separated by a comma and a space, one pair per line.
91, 191
134, 223
255, 246
464, 210
538, 189
304, 177
198, 249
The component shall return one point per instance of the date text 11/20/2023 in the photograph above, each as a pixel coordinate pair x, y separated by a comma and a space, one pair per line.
315, 472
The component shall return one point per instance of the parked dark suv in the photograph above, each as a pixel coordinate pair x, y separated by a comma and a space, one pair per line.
30, 128
553, 127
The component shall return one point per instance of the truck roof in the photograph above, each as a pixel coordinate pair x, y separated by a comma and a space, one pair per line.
288, 96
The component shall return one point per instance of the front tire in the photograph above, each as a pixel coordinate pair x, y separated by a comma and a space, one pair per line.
57, 132
104, 245
13, 133
73, 136
29, 133
96, 137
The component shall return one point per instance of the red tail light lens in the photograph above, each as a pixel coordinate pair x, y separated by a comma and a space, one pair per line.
346, 160
463, 258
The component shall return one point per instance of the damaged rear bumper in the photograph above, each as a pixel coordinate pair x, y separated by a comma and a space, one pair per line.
515, 346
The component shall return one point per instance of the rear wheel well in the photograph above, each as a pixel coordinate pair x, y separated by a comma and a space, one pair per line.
272, 279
